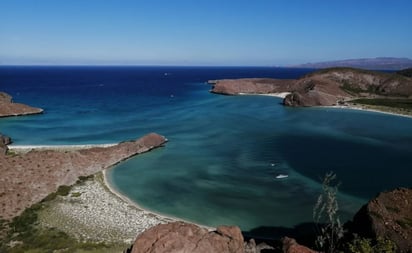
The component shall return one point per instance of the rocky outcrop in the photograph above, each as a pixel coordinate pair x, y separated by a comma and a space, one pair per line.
9, 108
28, 178
4, 141
323, 88
251, 86
388, 216
291, 246
181, 237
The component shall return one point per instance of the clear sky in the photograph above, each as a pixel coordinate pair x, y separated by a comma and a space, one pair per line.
200, 32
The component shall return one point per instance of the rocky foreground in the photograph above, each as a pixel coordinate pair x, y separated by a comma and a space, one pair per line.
388, 216
28, 178
9, 108
327, 87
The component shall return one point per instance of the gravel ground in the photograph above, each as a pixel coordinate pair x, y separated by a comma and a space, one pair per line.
91, 212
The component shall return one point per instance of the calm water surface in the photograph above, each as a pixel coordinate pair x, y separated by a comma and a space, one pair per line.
224, 152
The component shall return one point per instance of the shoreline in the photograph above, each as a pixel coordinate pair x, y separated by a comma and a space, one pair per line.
277, 94
27, 148
126, 199
21, 149
350, 107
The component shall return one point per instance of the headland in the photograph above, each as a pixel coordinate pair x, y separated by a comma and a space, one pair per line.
9, 108
340, 87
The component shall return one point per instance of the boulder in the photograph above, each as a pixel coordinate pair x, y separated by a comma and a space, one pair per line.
291, 246
4, 141
181, 237
387, 216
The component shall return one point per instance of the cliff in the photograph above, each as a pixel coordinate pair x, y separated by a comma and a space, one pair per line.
9, 108
28, 178
328, 87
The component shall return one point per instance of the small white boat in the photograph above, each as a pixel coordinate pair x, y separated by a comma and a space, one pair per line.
280, 176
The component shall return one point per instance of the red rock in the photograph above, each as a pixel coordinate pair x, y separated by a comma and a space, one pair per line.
291, 246
387, 216
181, 237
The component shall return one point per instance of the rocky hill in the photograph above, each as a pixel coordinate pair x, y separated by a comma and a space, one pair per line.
9, 108
327, 87
381, 63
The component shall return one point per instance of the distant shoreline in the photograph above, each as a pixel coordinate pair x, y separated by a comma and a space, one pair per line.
349, 107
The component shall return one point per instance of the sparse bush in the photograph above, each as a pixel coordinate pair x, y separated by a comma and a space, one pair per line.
76, 194
325, 215
63, 190
366, 245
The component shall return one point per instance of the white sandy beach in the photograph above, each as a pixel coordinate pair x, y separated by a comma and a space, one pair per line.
278, 94
91, 212
94, 210
359, 108
27, 148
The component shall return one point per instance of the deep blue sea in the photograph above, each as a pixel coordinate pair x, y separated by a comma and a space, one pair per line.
224, 152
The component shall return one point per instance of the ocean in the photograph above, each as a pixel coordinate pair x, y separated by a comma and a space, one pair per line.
224, 152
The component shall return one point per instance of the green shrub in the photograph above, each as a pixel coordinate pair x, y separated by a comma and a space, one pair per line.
63, 190
84, 178
76, 194
366, 245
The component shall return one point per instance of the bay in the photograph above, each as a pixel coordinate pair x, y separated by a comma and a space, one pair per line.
224, 152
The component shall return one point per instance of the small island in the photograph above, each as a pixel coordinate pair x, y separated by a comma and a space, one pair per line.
339, 87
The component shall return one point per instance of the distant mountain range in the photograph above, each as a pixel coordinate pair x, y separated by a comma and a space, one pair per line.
379, 63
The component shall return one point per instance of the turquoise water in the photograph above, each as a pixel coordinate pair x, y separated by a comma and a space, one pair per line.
224, 152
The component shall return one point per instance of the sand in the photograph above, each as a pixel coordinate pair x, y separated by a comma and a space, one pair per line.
359, 108
27, 148
278, 94
91, 212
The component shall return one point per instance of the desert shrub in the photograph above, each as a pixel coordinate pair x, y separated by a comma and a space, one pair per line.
63, 190
76, 194
366, 245
325, 215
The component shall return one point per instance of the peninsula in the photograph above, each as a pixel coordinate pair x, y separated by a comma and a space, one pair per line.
10, 108
28, 178
331, 87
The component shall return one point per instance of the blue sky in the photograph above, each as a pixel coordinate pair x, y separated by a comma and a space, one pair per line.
199, 32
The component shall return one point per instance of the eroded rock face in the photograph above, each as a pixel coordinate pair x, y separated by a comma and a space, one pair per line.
181, 237
388, 216
9, 108
291, 246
